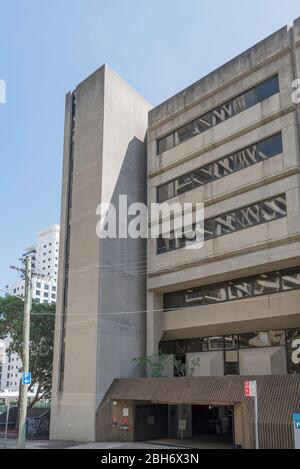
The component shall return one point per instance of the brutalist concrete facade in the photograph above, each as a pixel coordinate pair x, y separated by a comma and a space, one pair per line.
104, 157
243, 281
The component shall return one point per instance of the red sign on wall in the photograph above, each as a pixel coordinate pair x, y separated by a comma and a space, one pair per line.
250, 388
247, 388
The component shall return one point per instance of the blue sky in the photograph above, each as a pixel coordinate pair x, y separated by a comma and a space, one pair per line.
48, 46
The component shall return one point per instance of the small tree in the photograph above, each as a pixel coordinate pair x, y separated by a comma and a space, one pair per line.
42, 323
155, 365
182, 369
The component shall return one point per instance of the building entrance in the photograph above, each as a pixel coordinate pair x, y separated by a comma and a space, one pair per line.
213, 423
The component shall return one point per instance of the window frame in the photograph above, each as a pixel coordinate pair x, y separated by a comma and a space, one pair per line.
214, 163
210, 112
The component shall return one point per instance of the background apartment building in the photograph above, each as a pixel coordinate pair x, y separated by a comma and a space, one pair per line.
9, 367
44, 255
230, 141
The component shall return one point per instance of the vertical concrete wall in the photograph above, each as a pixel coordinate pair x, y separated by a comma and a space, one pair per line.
109, 159
266, 361
122, 293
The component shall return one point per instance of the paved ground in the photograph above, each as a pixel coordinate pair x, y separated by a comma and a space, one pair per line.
12, 444
156, 444
203, 443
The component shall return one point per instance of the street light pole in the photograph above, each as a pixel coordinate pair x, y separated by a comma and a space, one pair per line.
25, 352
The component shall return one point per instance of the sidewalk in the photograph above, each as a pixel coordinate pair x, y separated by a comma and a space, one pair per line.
46, 444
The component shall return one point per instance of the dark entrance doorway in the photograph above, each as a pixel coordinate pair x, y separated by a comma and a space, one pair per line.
214, 423
151, 422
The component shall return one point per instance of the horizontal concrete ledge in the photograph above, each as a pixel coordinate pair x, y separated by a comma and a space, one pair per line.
227, 255
242, 131
254, 58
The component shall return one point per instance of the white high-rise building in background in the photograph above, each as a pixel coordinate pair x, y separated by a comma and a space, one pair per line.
44, 254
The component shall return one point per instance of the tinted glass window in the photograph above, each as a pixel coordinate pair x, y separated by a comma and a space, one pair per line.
221, 113
180, 346
293, 350
246, 157
270, 147
244, 101
209, 229
231, 342
173, 300
184, 183
239, 289
225, 224
194, 345
184, 133
267, 88
214, 294
216, 343
291, 279
194, 297
204, 122
274, 208
165, 192
166, 348
292, 334
266, 283
165, 143
224, 167
247, 217
203, 176
166, 244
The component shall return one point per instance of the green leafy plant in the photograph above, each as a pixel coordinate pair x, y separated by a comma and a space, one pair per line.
42, 325
156, 364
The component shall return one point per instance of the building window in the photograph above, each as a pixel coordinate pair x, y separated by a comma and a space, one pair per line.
238, 289
274, 208
214, 294
266, 283
290, 279
293, 351
236, 220
220, 114
46, 287
261, 284
53, 288
231, 344
237, 161
46, 294
247, 217
262, 339
37, 292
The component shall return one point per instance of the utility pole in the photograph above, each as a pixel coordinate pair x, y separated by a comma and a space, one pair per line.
27, 272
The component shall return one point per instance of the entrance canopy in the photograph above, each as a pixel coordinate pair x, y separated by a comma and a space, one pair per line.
278, 396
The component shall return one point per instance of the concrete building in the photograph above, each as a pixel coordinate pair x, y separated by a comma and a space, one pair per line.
44, 255
96, 339
231, 141
9, 368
